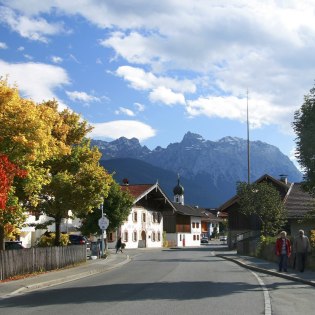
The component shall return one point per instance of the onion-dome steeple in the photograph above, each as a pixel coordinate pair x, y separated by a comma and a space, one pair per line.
178, 192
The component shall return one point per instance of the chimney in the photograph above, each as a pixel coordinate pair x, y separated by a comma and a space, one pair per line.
284, 178
126, 181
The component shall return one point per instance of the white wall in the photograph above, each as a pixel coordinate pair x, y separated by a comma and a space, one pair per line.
152, 229
29, 235
187, 239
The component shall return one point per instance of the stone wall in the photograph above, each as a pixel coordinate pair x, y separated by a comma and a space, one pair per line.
267, 252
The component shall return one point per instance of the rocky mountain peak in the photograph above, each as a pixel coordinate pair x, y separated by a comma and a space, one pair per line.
189, 136
215, 166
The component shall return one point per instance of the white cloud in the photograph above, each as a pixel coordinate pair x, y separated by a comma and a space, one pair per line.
264, 46
166, 96
82, 97
35, 80
37, 29
140, 107
28, 57
141, 80
261, 113
3, 45
122, 128
21, 48
125, 111
162, 88
56, 59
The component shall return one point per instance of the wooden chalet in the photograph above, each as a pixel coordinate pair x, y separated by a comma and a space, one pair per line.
297, 203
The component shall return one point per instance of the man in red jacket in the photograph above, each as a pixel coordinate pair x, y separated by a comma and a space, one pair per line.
283, 250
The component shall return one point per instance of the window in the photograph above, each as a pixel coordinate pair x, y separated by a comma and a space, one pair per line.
135, 217
193, 225
159, 236
125, 236
143, 217
198, 237
134, 236
156, 217
194, 237
153, 237
197, 225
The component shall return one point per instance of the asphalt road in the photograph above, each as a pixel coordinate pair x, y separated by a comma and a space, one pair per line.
188, 281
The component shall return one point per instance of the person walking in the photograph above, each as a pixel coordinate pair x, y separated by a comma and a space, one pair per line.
301, 248
283, 251
118, 245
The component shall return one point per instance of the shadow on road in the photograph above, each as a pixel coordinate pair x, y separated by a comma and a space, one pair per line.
129, 292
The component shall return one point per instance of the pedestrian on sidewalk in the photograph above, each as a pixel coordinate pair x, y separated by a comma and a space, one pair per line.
301, 248
118, 245
283, 251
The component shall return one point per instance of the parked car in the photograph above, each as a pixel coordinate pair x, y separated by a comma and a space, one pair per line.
13, 245
79, 240
223, 238
204, 240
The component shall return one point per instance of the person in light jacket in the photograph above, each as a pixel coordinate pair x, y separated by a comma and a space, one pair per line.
283, 251
301, 248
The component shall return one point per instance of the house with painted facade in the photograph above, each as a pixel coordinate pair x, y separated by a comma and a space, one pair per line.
144, 226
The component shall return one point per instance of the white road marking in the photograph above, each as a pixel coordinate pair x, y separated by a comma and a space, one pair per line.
266, 294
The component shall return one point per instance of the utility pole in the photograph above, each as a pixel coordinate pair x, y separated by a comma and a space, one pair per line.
248, 155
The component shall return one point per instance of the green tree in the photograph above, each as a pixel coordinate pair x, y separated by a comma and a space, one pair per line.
264, 201
117, 207
78, 183
304, 127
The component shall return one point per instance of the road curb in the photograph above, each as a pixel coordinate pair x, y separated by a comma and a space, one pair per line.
50, 283
266, 271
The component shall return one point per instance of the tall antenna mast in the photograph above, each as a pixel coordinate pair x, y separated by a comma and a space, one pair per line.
248, 159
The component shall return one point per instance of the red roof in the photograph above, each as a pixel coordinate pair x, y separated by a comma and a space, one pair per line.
136, 190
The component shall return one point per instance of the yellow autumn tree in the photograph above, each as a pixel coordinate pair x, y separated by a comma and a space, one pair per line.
27, 140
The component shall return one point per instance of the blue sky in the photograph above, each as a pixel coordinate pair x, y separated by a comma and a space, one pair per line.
157, 69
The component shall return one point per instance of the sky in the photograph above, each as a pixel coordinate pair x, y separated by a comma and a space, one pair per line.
155, 70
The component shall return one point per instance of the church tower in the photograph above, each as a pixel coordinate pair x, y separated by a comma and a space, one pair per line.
178, 192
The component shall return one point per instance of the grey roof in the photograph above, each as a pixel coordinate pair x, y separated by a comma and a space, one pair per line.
298, 202
188, 210
195, 211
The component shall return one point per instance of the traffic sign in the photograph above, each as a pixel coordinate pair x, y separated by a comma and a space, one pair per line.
103, 223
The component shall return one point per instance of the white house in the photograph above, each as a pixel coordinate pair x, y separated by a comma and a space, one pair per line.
144, 226
29, 235
186, 224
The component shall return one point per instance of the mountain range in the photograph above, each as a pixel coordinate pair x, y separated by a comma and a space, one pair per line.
208, 170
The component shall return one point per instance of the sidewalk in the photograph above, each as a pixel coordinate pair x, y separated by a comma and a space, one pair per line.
55, 277
271, 268
92, 267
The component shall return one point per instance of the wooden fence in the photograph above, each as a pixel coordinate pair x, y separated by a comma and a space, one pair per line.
38, 259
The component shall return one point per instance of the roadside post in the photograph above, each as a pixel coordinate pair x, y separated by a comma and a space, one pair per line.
103, 223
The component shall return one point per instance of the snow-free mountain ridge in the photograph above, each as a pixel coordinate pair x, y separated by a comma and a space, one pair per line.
210, 167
